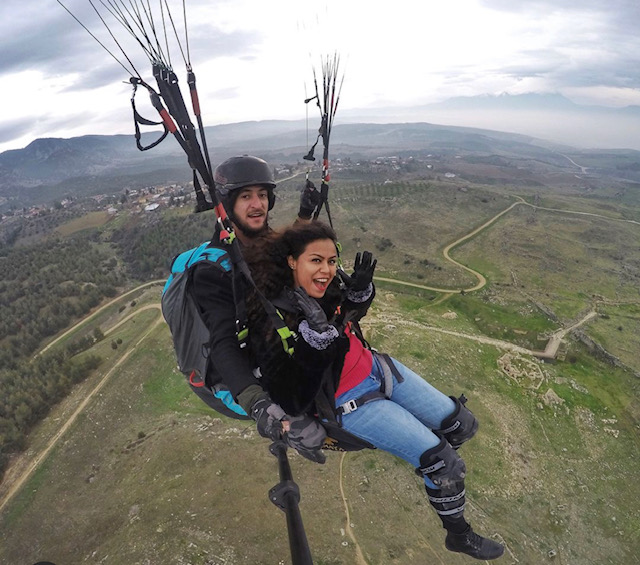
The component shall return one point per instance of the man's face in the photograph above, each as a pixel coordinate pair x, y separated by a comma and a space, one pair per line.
250, 211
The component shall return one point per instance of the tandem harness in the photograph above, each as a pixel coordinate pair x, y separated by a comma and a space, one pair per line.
389, 370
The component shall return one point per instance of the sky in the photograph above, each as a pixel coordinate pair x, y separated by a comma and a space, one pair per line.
254, 59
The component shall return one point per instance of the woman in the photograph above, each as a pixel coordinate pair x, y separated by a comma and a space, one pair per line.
334, 375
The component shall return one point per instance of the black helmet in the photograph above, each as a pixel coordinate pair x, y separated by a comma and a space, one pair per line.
238, 172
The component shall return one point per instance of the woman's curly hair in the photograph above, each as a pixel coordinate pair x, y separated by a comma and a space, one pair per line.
267, 256
267, 259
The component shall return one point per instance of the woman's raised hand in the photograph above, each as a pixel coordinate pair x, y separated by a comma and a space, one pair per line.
363, 268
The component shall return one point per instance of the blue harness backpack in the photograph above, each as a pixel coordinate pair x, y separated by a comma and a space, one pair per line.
190, 334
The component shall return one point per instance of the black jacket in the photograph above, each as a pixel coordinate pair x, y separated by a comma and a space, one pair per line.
305, 382
212, 290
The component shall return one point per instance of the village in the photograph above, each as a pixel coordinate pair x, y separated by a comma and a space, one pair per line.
151, 198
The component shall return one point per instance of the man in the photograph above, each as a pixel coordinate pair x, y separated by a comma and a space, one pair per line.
246, 186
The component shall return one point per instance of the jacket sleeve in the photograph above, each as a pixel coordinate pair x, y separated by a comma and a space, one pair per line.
212, 291
295, 381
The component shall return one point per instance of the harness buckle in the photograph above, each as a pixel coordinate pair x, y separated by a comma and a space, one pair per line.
349, 407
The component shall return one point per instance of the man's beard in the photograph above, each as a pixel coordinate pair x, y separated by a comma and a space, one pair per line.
250, 232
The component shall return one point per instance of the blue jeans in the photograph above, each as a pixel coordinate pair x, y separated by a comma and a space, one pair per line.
401, 424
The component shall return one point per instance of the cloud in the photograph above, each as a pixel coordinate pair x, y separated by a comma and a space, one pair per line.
41, 36
14, 129
253, 60
225, 94
580, 45
28, 128
613, 8
534, 63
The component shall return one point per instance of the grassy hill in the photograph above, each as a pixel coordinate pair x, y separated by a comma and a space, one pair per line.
147, 474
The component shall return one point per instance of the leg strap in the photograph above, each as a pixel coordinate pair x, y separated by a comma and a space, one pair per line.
353, 405
389, 370
447, 506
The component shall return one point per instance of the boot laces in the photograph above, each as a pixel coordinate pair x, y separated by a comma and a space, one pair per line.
474, 540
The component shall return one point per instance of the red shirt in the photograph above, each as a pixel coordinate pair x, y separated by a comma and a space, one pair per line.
357, 364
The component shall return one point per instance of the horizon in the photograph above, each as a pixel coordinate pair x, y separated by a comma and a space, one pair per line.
524, 121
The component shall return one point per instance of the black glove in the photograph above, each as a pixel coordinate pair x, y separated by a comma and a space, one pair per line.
312, 311
363, 269
306, 436
309, 200
268, 416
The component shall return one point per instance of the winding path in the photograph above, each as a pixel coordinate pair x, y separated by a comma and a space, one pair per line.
42, 455
16, 484
360, 560
583, 170
578, 213
549, 352
96, 312
482, 281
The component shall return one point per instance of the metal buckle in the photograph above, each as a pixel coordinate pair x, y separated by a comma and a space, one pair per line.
349, 407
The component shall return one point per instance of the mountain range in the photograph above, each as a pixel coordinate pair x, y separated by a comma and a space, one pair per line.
50, 167
547, 116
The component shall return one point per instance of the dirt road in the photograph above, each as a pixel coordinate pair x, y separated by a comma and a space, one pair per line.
73, 328
482, 281
42, 455
549, 352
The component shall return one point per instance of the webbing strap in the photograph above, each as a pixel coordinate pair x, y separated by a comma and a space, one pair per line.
451, 512
139, 120
387, 383
240, 268
389, 370
443, 499
353, 405
388, 365
431, 468
202, 203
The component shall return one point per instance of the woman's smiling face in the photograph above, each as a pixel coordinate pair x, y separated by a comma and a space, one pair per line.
316, 267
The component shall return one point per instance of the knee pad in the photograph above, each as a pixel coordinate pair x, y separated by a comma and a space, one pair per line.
449, 506
443, 466
447, 471
461, 426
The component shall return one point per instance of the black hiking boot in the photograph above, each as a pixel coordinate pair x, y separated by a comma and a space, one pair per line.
473, 545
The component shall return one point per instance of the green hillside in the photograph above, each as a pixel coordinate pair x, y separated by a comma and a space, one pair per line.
146, 473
